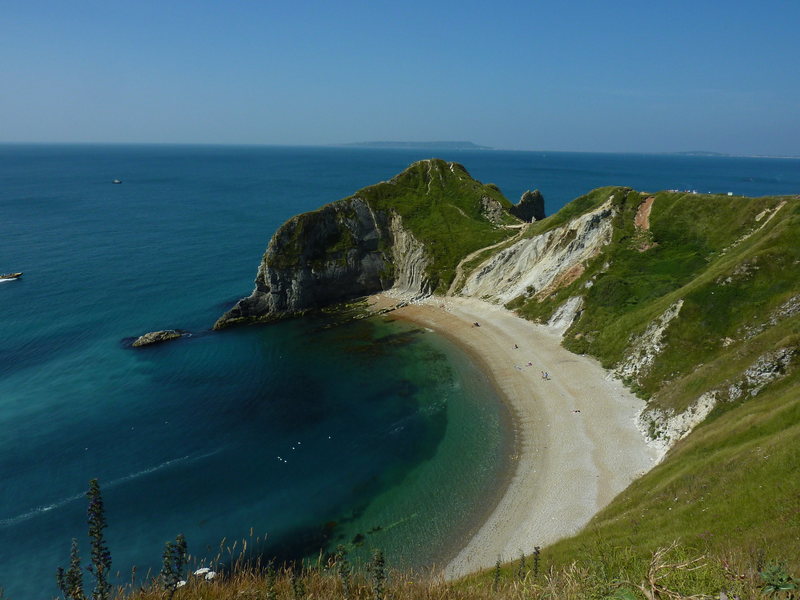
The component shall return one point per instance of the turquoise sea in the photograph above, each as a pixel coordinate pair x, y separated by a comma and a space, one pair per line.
373, 434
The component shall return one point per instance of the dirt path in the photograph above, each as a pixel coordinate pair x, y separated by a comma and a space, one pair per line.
642, 218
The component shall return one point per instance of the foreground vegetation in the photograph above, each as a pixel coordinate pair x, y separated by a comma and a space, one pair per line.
599, 570
670, 573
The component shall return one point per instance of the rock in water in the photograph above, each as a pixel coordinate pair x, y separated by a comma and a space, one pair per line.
530, 207
156, 337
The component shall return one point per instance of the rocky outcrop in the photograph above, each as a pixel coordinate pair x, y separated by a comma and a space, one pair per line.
787, 310
410, 263
156, 337
566, 314
492, 210
342, 251
394, 235
769, 367
664, 427
644, 349
530, 207
536, 266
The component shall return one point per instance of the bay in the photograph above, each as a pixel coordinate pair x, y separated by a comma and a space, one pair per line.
312, 436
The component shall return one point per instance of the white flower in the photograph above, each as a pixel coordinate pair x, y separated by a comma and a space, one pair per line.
202, 571
181, 583
210, 575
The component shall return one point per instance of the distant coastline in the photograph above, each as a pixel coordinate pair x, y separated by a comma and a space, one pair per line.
447, 145
727, 155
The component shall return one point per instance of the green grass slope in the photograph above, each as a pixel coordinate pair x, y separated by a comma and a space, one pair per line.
732, 485
732, 261
441, 205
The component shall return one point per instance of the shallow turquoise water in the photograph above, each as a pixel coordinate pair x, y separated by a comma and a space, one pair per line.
380, 427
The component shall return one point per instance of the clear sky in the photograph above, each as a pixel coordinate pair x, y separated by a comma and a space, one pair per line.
639, 76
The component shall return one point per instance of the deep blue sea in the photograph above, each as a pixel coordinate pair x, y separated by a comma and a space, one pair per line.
375, 434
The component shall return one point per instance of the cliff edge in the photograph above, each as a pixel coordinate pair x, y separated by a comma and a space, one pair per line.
406, 234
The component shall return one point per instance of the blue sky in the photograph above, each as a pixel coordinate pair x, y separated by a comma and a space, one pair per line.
585, 76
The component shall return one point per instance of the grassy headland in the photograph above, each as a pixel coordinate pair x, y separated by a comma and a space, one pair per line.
441, 205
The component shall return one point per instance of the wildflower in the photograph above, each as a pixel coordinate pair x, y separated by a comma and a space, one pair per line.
210, 575
181, 583
202, 571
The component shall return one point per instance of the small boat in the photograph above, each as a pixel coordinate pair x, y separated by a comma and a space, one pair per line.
117, 181
11, 276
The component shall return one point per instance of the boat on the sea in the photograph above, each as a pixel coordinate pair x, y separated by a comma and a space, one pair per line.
11, 276
117, 181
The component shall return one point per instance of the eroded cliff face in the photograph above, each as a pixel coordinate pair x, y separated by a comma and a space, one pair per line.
410, 262
342, 251
403, 235
537, 265
664, 427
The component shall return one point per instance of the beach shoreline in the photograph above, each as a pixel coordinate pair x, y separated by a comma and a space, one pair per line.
576, 444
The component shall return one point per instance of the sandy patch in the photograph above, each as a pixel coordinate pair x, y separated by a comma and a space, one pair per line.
578, 444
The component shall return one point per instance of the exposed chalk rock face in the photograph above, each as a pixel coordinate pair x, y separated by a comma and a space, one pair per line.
644, 350
492, 210
394, 235
156, 337
786, 311
342, 251
530, 207
534, 265
665, 427
769, 367
566, 314
410, 263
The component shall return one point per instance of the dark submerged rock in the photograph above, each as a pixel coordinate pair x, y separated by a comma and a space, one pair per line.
156, 337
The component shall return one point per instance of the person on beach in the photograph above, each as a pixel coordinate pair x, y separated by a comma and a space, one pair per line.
515, 347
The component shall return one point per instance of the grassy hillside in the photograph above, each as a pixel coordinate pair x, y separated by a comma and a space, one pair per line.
731, 266
671, 573
441, 205
733, 272
731, 487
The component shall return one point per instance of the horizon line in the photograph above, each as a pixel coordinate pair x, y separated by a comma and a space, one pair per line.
355, 146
